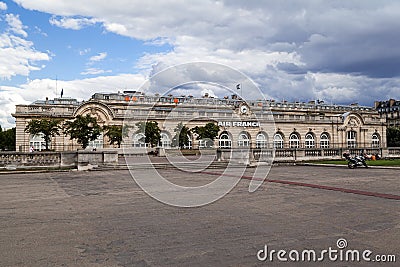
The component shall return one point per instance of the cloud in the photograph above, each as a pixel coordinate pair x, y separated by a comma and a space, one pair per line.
116, 28
71, 23
39, 31
8, 99
327, 36
18, 56
99, 57
15, 25
94, 71
345, 88
82, 89
92, 60
85, 51
338, 51
3, 6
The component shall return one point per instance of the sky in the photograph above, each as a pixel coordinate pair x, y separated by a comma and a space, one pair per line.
340, 52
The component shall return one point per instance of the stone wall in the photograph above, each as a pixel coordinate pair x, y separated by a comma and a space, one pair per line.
56, 160
301, 154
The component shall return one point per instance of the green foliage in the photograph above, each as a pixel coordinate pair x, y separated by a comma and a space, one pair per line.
151, 131
125, 130
7, 139
83, 129
115, 133
181, 138
209, 131
393, 136
48, 127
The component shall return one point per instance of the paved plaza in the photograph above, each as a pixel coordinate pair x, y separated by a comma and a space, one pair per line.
102, 218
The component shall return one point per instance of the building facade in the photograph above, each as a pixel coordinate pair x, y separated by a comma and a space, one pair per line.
253, 124
390, 111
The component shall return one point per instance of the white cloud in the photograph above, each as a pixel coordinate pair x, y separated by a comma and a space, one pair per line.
116, 28
99, 57
9, 97
39, 31
84, 51
71, 23
3, 6
18, 56
15, 25
94, 71
82, 89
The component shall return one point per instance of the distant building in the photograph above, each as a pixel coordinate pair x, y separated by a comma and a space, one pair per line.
255, 123
390, 111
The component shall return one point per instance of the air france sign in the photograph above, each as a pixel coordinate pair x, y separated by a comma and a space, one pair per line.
239, 123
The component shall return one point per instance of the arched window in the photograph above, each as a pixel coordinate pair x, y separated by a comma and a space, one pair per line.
243, 140
261, 140
165, 140
37, 142
324, 142
294, 141
206, 142
189, 144
139, 140
278, 140
351, 139
97, 143
224, 140
376, 142
309, 141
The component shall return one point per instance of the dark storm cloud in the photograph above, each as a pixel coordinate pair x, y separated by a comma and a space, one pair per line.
357, 37
338, 51
354, 39
373, 55
290, 68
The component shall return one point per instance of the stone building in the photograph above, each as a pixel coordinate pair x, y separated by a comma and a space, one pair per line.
255, 123
390, 111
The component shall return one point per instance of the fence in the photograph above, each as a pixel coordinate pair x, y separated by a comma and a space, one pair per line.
303, 154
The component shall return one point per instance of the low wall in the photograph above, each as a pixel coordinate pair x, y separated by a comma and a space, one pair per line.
302, 154
188, 152
56, 160
162, 152
83, 159
392, 152
88, 159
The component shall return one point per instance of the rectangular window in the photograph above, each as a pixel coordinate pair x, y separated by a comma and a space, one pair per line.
351, 139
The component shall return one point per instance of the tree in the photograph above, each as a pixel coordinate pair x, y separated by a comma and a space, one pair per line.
7, 139
151, 131
181, 138
115, 133
48, 127
209, 131
393, 136
83, 129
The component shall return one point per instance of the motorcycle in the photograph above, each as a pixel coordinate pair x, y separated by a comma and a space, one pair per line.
353, 162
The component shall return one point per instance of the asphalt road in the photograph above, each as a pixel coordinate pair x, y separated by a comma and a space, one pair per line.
102, 218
